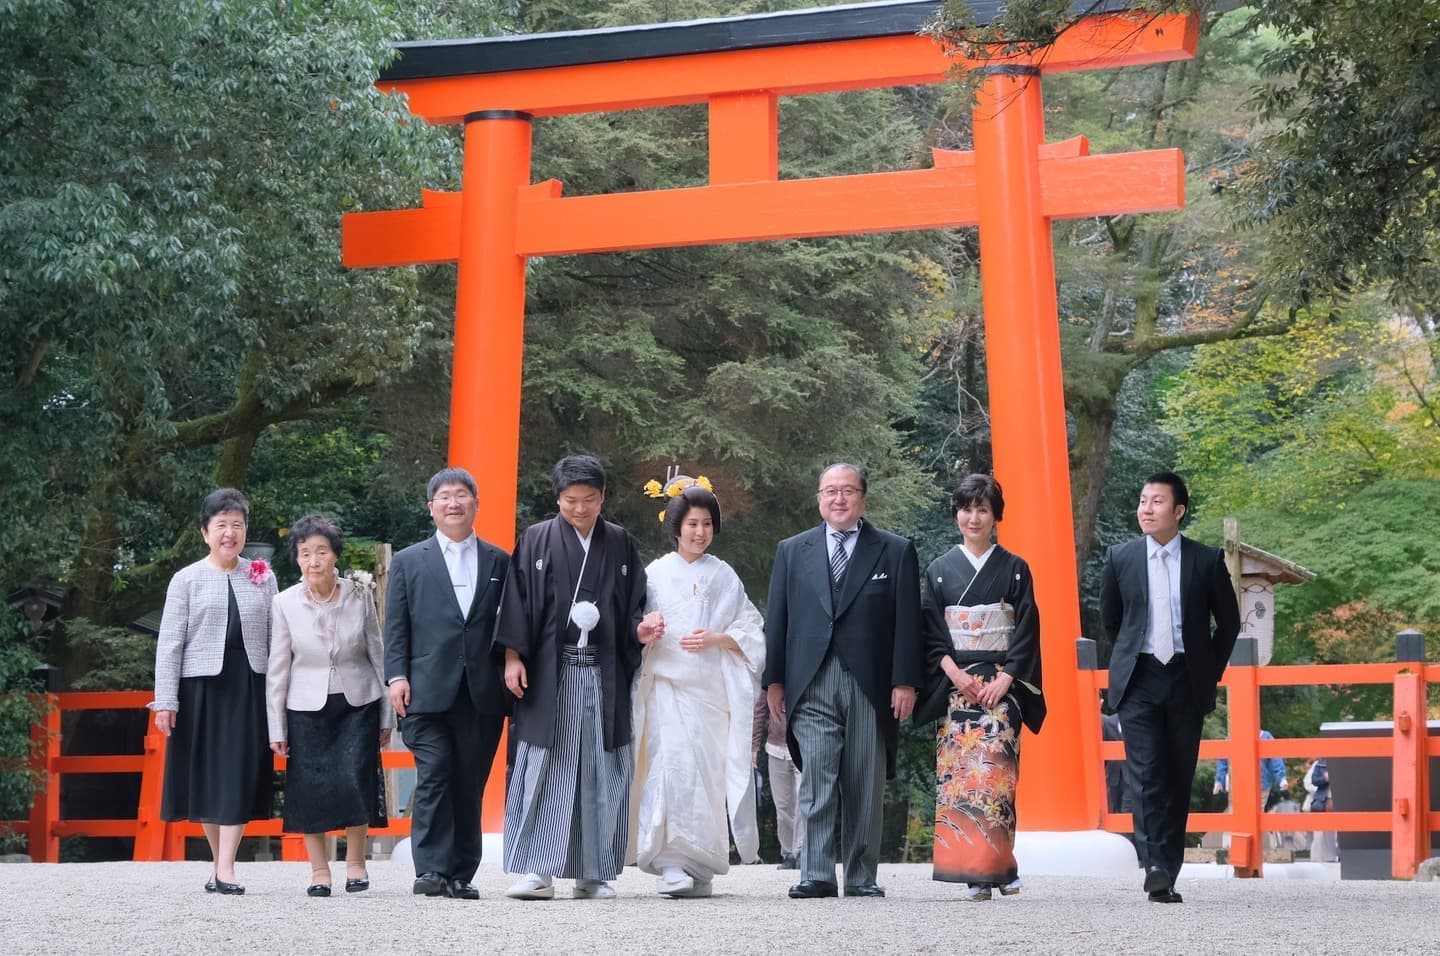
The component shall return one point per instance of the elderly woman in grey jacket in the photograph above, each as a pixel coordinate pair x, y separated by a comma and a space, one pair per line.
210, 664
328, 710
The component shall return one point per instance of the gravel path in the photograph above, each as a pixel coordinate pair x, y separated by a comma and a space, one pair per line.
160, 908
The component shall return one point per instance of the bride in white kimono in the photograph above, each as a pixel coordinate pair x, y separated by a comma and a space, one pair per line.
694, 706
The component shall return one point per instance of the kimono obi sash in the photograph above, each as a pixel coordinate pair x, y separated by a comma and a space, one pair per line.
980, 627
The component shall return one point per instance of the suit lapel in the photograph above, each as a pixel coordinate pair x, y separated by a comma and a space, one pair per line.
483, 563
862, 561
436, 566
815, 558
1187, 581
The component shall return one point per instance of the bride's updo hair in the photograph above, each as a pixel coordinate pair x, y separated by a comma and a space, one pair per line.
692, 497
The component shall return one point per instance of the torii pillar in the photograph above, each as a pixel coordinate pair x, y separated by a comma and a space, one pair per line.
1013, 186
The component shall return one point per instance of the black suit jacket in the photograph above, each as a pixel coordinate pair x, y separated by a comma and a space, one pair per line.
1205, 595
429, 643
874, 623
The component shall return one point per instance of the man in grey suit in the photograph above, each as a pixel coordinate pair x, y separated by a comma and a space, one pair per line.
445, 687
1158, 597
843, 659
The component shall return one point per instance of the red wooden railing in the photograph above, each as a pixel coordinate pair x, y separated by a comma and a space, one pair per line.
1410, 821
154, 838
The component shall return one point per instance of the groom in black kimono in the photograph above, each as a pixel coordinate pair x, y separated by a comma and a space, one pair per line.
567, 809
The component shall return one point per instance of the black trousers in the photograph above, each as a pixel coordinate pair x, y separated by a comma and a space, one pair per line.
1161, 723
453, 752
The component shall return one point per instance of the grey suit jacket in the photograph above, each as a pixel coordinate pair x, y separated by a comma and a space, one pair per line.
427, 641
1205, 595
298, 676
193, 625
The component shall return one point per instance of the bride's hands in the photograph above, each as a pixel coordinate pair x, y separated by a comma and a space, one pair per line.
652, 627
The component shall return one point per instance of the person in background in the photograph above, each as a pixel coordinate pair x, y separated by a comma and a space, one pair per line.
769, 735
1317, 800
210, 663
1272, 778
327, 707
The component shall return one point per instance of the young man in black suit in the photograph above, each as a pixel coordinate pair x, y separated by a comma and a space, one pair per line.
1159, 595
843, 659
439, 620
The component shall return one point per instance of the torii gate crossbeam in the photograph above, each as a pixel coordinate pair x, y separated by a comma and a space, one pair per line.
1012, 186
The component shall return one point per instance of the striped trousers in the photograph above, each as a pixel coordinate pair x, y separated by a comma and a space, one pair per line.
844, 776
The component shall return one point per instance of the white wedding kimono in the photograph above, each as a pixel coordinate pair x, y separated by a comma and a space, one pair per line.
693, 719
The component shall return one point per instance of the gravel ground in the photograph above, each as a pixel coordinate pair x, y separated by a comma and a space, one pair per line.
160, 908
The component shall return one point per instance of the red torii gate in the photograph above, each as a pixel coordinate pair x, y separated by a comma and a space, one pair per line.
1012, 186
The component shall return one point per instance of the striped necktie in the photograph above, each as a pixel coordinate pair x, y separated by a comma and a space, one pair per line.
838, 557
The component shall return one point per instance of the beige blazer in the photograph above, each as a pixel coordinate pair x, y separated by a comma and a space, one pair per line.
301, 657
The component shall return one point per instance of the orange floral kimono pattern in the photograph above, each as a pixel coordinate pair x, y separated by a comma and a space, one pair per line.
977, 767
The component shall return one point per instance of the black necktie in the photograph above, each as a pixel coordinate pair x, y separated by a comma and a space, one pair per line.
838, 557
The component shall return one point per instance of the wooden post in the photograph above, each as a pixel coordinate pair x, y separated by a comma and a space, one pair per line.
1247, 839
1410, 810
45, 810
1232, 555
149, 828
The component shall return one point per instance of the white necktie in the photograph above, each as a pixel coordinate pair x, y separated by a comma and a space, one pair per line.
1164, 623
461, 576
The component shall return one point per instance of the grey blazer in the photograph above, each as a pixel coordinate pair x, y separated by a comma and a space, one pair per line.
298, 677
193, 624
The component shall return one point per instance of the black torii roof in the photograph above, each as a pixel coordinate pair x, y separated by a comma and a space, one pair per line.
503, 54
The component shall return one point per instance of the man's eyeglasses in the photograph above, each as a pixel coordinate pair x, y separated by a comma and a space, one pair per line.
846, 491
463, 498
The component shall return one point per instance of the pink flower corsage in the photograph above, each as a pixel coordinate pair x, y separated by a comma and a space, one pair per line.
259, 572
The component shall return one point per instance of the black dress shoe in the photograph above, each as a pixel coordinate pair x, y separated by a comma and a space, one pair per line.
357, 885
1157, 879
1166, 896
228, 889
430, 884
318, 889
814, 890
788, 863
865, 889
462, 890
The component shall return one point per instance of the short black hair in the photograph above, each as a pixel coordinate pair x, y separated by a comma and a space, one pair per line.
679, 508
310, 526
221, 500
974, 489
859, 473
578, 470
450, 476
1177, 486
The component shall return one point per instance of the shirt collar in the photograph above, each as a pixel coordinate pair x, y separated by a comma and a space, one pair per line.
1171, 549
446, 543
830, 529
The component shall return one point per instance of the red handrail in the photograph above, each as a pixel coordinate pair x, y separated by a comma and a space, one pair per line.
1409, 747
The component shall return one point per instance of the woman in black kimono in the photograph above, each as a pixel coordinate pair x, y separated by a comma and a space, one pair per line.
982, 653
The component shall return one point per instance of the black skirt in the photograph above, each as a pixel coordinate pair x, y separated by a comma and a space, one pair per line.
333, 778
218, 765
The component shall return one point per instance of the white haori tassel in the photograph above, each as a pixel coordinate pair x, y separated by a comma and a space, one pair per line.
584, 615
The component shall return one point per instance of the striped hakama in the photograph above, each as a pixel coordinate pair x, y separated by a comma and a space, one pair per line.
567, 811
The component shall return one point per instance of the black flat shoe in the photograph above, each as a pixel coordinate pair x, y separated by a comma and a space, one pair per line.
210, 884
229, 889
864, 889
358, 885
462, 890
1157, 880
1166, 896
319, 889
430, 884
813, 890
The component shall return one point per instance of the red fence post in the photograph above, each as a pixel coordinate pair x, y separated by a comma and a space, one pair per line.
149, 828
1410, 811
1091, 735
1247, 839
45, 807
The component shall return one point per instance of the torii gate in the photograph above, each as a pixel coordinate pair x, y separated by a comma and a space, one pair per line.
1012, 186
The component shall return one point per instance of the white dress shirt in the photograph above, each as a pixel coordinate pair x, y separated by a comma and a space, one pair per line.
850, 540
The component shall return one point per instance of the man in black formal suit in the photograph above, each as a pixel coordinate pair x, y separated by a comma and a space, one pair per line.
1159, 595
439, 621
843, 659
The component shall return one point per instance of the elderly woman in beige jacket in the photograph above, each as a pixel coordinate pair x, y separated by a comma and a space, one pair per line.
326, 704
210, 688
